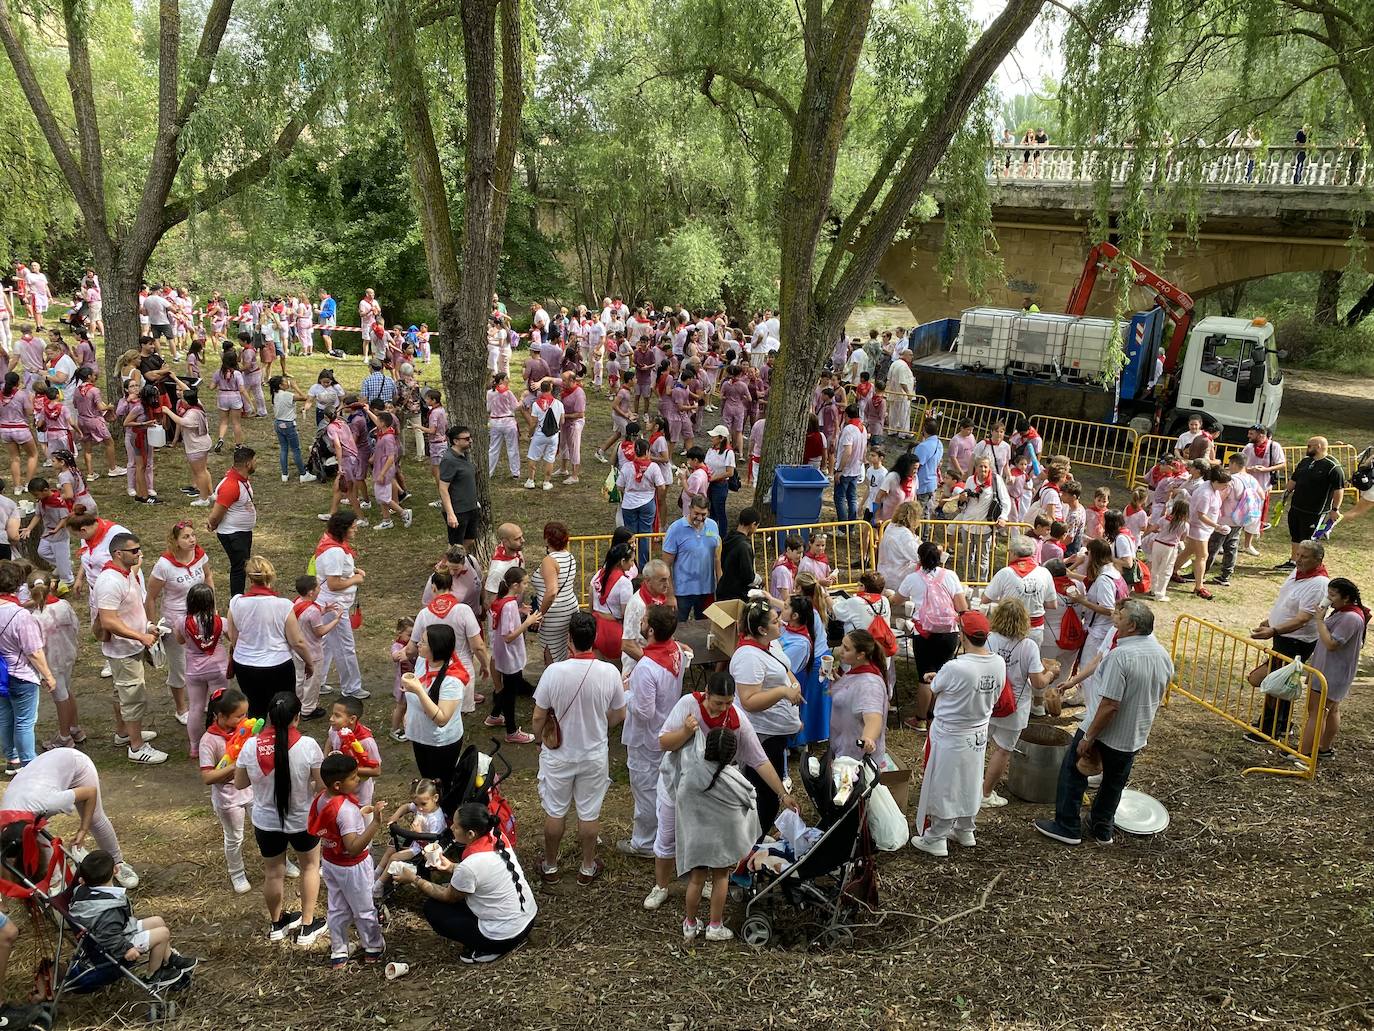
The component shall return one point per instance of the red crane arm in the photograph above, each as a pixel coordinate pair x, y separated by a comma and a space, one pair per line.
1177, 303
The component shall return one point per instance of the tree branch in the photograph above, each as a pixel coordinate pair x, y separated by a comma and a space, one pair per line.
512, 102
752, 85
432, 14
92, 208
177, 211
198, 79
83, 99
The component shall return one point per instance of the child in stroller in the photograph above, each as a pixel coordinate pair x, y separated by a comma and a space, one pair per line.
423, 822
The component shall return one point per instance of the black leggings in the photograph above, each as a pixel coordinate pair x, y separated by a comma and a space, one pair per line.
775, 748
436, 762
503, 701
260, 683
238, 546
456, 922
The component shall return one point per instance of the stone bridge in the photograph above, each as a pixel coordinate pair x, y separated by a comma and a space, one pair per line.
1258, 212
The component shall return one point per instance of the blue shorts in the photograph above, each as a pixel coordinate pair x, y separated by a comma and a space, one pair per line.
4, 921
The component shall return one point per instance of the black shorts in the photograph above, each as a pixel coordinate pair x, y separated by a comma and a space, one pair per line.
466, 530
1301, 525
273, 843
1292, 648
160, 331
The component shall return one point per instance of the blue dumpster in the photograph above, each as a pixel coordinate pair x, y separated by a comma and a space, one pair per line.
796, 498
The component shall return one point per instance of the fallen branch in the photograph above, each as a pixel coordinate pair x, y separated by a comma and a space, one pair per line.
982, 905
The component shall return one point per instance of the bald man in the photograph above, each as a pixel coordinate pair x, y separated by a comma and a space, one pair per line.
509, 552
1316, 487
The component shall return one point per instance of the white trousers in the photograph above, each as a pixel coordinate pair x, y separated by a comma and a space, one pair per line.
350, 902
504, 434
341, 652
643, 764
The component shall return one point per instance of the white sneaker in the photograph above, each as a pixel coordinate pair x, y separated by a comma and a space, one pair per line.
292, 870
529, 484
690, 929
599, 457
718, 933
360, 523
547, 485
407, 517
385, 524
182, 717
126, 876
435, 504
993, 801
965, 838
123, 739
930, 846
1160, 597
241, 884
1039, 710
93, 476
362, 692
1095, 781
285, 478
569, 480
323, 517
656, 897
118, 470
201, 503
147, 756
129, 491
1252, 550
105, 671
308, 478
364, 504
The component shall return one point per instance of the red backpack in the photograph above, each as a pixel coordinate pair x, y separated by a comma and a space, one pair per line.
1071, 632
881, 631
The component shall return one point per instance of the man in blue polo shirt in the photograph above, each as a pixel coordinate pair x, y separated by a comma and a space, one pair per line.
329, 312
929, 454
691, 547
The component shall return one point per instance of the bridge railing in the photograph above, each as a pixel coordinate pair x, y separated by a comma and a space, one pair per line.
1290, 166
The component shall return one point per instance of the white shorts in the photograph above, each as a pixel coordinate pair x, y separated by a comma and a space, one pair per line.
141, 939
542, 448
1252, 527
580, 783
382, 491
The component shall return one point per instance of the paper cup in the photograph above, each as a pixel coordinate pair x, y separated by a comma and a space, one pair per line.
395, 970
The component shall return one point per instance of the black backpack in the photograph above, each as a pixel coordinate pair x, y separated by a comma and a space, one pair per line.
548, 426
320, 462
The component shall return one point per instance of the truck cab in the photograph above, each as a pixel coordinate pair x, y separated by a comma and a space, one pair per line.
1230, 371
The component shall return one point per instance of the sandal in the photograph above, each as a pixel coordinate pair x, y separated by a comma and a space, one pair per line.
1205, 594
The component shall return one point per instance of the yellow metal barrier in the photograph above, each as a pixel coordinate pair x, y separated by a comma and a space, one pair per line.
948, 415
918, 412
590, 551
851, 548
1148, 448
1344, 454
1211, 668
976, 549
1097, 444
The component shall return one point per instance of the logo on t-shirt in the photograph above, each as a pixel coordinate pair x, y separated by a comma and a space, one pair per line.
987, 684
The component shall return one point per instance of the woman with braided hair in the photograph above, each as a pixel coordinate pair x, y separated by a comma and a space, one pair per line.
487, 906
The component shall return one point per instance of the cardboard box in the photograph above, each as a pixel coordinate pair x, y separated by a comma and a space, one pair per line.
724, 617
898, 782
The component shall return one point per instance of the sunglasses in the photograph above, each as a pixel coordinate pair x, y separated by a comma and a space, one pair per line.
129, 551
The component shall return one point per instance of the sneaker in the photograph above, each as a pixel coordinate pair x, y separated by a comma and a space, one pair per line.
399, 736
372, 957
1102, 839
479, 957
1326, 753
1095, 781
285, 478
93, 476
1218, 581
690, 930
478, 698
1256, 739
307, 478
338, 962
219, 446
292, 870
282, 927
241, 884
182, 717
547, 485
310, 933
126, 876
58, 742
314, 714
364, 504
520, 737
1290, 564
436, 504
407, 517
123, 739
930, 846
626, 848
599, 457
166, 975
385, 524
1252, 550
719, 933
326, 689
360, 523
190, 492
179, 962
362, 692
201, 503
965, 838
571, 480
1055, 832
105, 671
493, 721
585, 877
1157, 596
993, 800
549, 875
118, 470
147, 756
656, 897
323, 517
403, 497
12, 767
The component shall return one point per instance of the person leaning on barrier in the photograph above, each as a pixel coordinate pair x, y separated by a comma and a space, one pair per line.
1290, 630
1116, 725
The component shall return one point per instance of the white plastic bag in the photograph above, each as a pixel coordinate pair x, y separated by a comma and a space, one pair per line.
885, 821
1285, 682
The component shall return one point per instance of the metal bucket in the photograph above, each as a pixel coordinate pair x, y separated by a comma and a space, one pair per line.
1034, 772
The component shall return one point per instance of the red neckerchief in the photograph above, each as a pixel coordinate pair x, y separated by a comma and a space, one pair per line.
785, 561
641, 466
1319, 571
118, 569
266, 745
608, 583
650, 598
906, 487
87, 388
55, 500
856, 423
627, 449
543, 401
502, 555
455, 668
497, 606
978, 488
654, 438
486, 843
170, 557
748, 642
1030, 434
666, 653
1062, 584
1364, 612
327, 542
863, 389
1023, 566
259, 591
323, 822
102, 527
12, 599
193, 634
215, 730
872, 599
442, 604
728, 719
820, 559
503, 388
867, 667
390, 431
1016, 470
300, 605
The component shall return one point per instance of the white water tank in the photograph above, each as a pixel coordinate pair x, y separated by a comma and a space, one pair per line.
1087, 346
1039, 340
984, 341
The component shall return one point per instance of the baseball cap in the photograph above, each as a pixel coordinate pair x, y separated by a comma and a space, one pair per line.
719, 431
974, 624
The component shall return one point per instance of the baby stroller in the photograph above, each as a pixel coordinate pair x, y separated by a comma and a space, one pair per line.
474, 779
36, 869
833, 879
321, 462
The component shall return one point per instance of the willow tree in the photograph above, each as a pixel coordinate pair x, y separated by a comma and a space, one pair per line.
205, 106
493, 95
798, 63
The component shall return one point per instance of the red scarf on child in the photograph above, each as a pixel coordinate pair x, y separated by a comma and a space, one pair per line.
193, 634
607, 583
728, 719
327, 542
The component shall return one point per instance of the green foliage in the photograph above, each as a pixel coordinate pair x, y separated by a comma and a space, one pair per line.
691, 267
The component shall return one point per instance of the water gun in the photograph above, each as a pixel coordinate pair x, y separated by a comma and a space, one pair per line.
246, 729
350, 746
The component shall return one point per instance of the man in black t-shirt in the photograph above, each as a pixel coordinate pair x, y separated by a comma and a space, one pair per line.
458, 496
1315, 487
737, 559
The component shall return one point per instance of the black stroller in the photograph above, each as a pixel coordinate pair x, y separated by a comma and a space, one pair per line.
472, 780
834, 879
36, 869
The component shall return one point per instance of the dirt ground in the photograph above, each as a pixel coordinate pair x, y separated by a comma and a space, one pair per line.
1252, 908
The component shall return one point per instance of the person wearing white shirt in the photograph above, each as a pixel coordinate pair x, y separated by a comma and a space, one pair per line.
445, 609
850, 450
897, 549
1291, 628
119, 598
339, 577
586, 698
901, 387
1028, 582
434, 696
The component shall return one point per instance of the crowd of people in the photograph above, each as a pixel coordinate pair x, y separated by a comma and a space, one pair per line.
1067, 622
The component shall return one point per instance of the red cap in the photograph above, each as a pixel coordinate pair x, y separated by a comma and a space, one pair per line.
974, 624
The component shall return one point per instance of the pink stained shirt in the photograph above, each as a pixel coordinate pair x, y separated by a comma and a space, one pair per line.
501, 404
386, 448
961, 452
574, 402
438, 426
87, 402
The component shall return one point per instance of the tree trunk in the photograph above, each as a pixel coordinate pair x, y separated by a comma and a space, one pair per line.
1230, 299
119, 299
1328, 298
1361, 308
